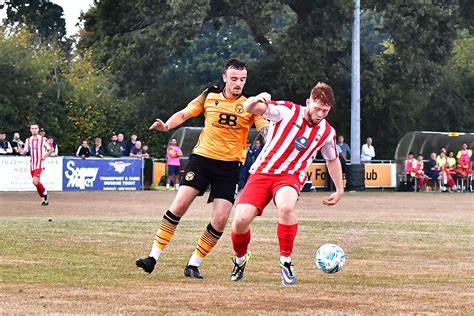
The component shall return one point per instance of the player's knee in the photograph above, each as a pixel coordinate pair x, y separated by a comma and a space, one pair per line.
240, 223
285, 210
35, 181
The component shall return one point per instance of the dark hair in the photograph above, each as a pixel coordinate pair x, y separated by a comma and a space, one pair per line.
235, 64
323, 92
411, 153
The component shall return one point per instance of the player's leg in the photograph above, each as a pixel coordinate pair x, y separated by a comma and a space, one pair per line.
36, 174
195, 183
224, 178
285, 201
253, 199
243, 217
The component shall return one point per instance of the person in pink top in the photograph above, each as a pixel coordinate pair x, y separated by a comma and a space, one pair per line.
39, 149
174, 164
410, 165
464, 161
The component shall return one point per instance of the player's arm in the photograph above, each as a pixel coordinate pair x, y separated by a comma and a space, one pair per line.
194, 108
257, 104
49, 151
335, 170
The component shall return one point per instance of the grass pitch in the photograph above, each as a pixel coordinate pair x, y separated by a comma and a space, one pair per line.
404, 255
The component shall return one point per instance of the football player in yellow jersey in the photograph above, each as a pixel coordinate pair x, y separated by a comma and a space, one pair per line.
215, 163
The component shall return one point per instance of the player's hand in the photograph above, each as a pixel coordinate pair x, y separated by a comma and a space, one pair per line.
264, 97
332, 199
159, 125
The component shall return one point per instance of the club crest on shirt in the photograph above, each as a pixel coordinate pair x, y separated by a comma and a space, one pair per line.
216, 102
189, 176
301, 143
239, 108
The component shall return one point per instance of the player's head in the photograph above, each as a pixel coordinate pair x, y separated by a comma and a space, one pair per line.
320, 102
235, 77
34, 129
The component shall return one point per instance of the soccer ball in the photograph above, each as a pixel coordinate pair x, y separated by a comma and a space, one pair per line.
330, 258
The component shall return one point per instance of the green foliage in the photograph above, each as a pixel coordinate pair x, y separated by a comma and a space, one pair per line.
138, 60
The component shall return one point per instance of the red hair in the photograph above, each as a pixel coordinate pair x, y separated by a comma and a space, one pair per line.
323, 92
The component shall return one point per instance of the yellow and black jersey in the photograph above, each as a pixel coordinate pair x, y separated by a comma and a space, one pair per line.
226, 125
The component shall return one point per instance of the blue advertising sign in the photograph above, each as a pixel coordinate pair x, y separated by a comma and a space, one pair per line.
102, 174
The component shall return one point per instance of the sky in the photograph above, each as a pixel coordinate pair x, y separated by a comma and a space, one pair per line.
72, 10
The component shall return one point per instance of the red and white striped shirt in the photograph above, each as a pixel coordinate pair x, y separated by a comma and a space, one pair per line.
292, 143
37, 147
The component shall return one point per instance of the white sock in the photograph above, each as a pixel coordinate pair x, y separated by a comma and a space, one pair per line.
155, 252
45, 192
284, 259
167, 185
239, 260
177, 186
195, 260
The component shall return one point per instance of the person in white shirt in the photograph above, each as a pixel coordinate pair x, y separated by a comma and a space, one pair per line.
367, 152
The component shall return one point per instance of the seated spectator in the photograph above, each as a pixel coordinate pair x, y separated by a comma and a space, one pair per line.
451, 163
442, 162
83, 151
137, 151
420, 173
464, 163
410, 165
113, 148
433, 170
5, 146
97, 150
17, 144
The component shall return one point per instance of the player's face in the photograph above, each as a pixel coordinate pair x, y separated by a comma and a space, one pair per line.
34, 130
316, 111
234, 81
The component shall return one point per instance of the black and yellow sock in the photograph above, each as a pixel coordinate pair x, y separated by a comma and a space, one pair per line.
166, 230
205, 244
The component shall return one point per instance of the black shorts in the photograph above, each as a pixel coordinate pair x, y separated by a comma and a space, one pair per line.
222, 176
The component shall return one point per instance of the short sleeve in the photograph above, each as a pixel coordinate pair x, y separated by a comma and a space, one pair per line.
260, 122
277, 110
329, 150
196, 106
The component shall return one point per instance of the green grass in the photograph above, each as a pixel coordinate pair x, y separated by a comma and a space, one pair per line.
382, 257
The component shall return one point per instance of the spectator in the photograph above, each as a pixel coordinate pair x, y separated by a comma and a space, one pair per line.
113, 148
433, 170
464, 164
137, 151
83, 151
145, 148
420, 173
123, 145
442, 161
346, 150
368, 151
131, 144
410, 166
256, 150
245, 167
174, 165
5, 146
17, 144
42, 132
97, 150
451, 163
54, 147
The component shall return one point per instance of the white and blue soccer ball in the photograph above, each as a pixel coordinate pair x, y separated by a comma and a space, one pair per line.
330, 258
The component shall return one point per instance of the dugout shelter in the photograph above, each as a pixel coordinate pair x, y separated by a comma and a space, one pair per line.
421, 142
187, 138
